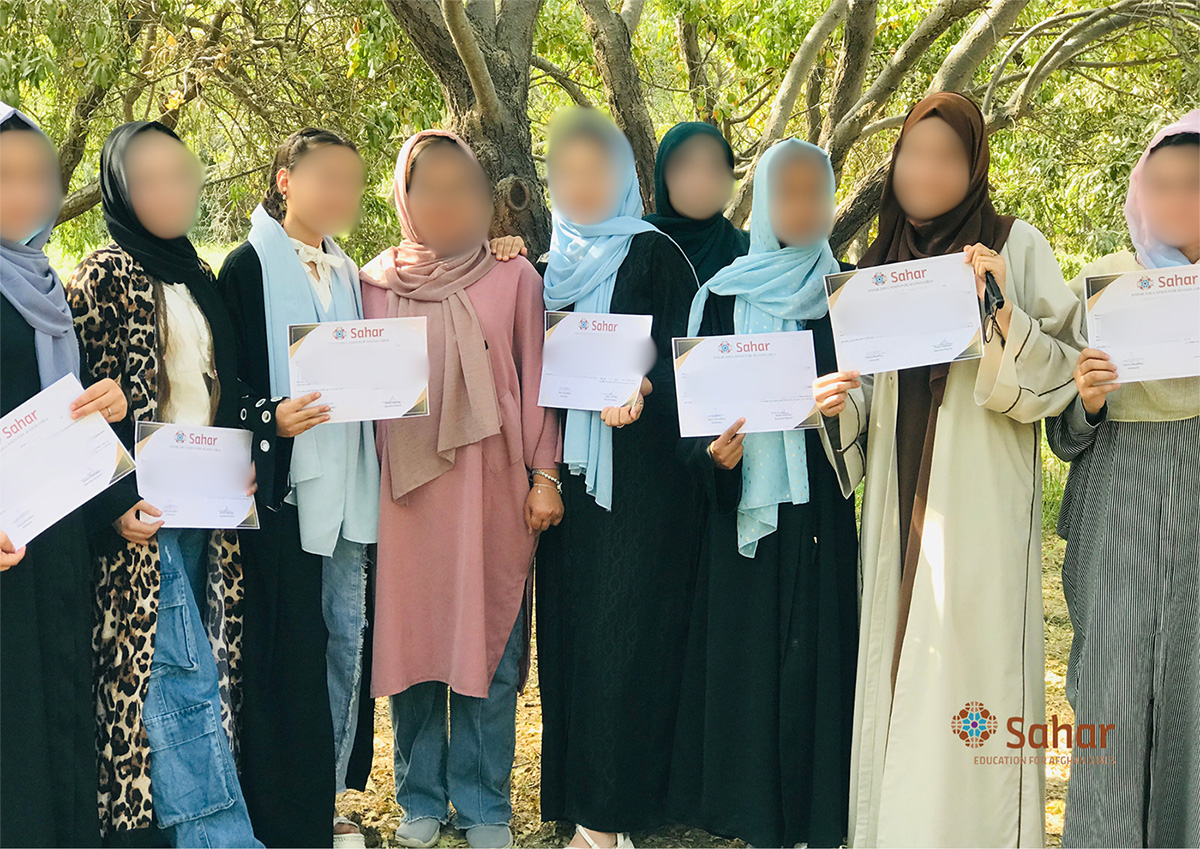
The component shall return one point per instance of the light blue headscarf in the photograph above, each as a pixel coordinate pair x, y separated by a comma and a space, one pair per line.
29, 283
334, 470
582, 270
777, 288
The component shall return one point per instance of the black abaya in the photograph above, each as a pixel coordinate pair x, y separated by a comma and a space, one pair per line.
762, 750
614, 591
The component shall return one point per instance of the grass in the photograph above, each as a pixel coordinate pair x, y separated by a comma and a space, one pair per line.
379, 815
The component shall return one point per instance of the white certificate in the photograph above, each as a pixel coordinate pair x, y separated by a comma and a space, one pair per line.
53, 464
593, 360
197, 476
907, 314
366, 370
1148, 322
765, 378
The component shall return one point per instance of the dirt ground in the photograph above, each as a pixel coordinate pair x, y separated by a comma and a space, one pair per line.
378, 813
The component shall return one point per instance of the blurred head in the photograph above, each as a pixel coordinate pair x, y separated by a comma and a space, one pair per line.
317, 179
802, 196
30, 183
583, 170
1170, 191
932, 169
163, 179
698, 176
447, 196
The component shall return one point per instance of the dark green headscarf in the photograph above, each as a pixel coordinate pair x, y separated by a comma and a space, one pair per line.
710, 244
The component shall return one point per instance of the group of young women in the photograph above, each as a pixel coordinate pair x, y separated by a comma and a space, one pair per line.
710, 650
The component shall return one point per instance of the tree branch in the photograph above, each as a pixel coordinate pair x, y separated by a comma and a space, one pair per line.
473, 60
964, 59
563, 79
858, 37
703, 98
785, 100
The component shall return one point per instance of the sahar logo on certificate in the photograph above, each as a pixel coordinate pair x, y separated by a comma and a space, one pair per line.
180, 437
724, 348
1144, 283
973, 724
583, 325
878, 279
339, 333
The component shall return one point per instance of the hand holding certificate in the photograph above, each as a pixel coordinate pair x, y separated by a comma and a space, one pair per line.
764, 378
907, 314
52, 463
1148, 322
197, 476
592, 361
365, 370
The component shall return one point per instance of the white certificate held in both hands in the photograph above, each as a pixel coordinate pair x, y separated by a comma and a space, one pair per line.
765, 378
1148, 322
594, 360
51, 463
365, 370
197, 476
907, 314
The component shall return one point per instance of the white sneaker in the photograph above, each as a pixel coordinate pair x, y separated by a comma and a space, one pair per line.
623, 841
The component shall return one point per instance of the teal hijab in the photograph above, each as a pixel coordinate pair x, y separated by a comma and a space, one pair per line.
776, 289
711, 243
582, 270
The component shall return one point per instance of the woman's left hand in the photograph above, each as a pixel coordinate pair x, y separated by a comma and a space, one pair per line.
543, 507
983, 259
630, 413
104, 396
507, 247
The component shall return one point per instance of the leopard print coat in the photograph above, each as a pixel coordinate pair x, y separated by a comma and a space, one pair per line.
113, 300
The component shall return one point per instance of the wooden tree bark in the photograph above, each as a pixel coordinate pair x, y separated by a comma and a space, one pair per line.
481, 56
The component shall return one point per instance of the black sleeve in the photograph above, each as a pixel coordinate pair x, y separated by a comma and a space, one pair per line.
722, 487
668, 286
106, 507
241, 286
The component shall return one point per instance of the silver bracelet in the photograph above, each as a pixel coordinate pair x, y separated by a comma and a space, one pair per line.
556, 481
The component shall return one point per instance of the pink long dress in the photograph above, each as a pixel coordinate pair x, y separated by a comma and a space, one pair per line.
455, 556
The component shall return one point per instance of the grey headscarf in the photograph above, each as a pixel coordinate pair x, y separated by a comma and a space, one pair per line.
29, 283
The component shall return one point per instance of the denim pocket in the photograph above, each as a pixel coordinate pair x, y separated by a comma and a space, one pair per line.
191, 776
175, 640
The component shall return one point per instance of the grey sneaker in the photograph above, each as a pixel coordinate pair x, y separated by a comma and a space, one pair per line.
420, 833
489, 837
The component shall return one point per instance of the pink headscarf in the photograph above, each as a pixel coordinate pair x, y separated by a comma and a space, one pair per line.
1151, 252
463, 409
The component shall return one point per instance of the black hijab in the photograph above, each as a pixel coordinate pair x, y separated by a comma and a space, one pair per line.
710, 244
167, 260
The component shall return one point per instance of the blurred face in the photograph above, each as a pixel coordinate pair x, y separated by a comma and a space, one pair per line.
1171, 196
699, 179
164, 184
801, 206
30, 186
932, 172
324, 188
583, 175
449, 200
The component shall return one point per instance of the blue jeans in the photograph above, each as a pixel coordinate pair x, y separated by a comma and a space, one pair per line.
469, 764
344, 604
196, 794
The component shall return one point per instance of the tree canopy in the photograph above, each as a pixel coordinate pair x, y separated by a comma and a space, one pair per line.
1071, 91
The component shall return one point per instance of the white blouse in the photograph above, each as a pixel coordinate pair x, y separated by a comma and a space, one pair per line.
322, 276
188, 359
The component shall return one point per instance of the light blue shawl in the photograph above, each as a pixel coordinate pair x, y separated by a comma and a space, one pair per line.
334, 471
582, 270
777, 288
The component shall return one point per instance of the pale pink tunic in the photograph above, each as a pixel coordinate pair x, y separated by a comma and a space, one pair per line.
454, 559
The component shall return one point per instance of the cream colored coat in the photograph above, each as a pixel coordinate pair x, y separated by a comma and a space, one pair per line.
974, 631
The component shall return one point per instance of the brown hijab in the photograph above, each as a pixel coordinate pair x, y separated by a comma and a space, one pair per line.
462, 395
972, 220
